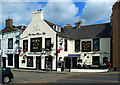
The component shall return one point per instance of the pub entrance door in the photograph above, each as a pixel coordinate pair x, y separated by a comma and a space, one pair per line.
38, 62
67, 62
95, 60
16, 60
4, 61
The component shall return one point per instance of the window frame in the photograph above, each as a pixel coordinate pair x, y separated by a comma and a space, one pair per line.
31, 58
25, 50
65, 45
9, 43
76, 46
98, 44
50, 44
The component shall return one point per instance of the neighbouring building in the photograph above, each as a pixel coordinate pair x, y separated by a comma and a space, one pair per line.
9, 44
85, 44
46, 45
116, 34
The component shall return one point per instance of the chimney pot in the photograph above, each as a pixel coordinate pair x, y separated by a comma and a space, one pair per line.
40, 9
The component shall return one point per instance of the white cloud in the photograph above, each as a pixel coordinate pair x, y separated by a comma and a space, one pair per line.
20, 12
61, 12
97, 11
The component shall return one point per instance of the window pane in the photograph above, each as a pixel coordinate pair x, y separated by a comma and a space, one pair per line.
10, 43
48, 44
29, 61
65, 45
77, 45
25, 45
96, 44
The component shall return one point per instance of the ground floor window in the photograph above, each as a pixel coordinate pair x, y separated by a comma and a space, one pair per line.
105, 60
10, 59
29, 61
48, 62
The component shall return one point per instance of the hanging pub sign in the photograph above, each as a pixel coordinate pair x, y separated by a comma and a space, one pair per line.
36, 44
86, 46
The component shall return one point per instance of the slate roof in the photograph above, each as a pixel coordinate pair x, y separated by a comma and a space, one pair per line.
13, 28
90, 31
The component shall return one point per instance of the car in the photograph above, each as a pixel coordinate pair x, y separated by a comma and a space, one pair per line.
7, 75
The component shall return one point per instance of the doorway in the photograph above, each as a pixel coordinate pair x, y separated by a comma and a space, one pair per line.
16, 60
95, 60
74, 62
38, 62
4, 61
67, 62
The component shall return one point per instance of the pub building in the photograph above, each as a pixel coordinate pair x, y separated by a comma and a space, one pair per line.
45, 45
38, 44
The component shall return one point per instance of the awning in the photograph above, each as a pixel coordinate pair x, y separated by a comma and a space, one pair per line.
73, 55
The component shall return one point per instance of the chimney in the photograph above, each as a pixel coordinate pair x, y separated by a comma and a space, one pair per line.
37, 15
9, 23
68, 25
78, 24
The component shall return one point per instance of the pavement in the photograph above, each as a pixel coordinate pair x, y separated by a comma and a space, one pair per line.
39, 71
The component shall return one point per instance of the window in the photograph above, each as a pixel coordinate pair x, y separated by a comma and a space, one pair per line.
0, 44
29, 61
48, 44
65, 45
36, 44
96, 44
10, 43
25, 45
77, 45
86, 46
10, 60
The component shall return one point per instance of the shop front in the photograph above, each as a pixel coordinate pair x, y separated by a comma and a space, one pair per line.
71, 60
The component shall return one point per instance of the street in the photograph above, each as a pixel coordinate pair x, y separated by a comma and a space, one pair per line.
51, 77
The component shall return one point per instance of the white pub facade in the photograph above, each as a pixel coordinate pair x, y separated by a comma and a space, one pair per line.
46, 45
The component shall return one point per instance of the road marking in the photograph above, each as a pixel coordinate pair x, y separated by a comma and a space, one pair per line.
96, 80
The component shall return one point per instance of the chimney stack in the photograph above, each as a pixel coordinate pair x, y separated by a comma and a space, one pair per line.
78, 24
9, 23
38, 15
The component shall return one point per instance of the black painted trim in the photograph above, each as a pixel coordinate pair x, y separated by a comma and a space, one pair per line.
56, 49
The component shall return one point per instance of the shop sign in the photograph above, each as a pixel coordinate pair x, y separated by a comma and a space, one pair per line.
36, 44
34, 53
9, 52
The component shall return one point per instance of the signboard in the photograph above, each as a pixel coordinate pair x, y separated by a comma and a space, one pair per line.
36, 44
86, 46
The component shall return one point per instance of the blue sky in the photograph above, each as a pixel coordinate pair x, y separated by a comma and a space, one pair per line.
60, 13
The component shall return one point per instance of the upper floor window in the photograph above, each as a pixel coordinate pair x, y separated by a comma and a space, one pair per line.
96, 45
86, 46
25, 45
48, 44
77, 45
65, 45
10, 43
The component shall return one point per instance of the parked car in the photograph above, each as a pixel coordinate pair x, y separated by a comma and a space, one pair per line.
7, 75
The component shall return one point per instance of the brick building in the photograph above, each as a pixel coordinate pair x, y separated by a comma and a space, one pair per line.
116, 35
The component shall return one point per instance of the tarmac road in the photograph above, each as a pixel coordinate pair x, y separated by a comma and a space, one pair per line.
52, 77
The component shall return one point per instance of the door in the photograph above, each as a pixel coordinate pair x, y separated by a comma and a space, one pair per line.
74, 62
16, 60
95, 60
4, 61
67, 62
38, 62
